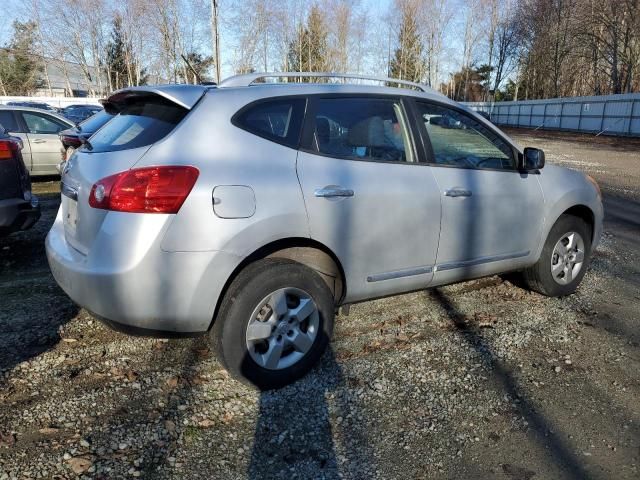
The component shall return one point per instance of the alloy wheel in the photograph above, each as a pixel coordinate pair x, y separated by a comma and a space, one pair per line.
282, 328
567, 258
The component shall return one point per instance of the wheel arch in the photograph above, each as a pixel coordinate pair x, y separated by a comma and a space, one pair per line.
576, 206
306, 251
584, 213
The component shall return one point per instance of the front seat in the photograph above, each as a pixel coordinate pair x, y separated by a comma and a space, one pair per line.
323, 133
370, 133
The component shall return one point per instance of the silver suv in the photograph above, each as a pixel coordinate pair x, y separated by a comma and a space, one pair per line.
255, 208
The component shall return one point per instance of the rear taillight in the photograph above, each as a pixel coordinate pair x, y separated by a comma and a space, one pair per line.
8, 149
145, 190
71, 141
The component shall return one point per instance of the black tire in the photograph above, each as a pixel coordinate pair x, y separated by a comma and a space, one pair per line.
539, 277
244, 295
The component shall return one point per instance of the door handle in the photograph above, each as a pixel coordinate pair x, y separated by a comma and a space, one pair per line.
457, 192
333, 191
39, 140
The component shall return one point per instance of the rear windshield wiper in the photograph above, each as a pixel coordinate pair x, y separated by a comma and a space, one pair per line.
87, 144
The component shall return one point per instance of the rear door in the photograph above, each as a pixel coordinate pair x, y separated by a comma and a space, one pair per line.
42, 133
491, 213
367, 197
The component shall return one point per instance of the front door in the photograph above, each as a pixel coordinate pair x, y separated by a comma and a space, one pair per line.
42, 134
367, 198
491, 212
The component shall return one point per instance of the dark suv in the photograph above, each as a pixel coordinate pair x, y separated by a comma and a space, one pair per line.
73, 138
19, 209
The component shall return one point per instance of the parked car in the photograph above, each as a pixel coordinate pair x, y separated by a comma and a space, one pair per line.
73, 138
255, 209
19, 208
38, 105
78, 113
38, 131
445, 121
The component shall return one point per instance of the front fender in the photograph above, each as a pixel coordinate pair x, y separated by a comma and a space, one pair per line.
564, 189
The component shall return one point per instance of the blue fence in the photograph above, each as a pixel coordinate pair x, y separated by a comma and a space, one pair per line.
602, 115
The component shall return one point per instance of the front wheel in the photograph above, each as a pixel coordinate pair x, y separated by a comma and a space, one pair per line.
274, 323
564, 259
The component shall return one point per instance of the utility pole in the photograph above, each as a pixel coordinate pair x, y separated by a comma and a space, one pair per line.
215, 36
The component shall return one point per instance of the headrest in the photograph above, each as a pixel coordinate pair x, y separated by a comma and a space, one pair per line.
323, 129
368, 133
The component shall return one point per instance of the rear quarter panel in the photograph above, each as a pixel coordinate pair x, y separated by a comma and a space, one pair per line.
228, 155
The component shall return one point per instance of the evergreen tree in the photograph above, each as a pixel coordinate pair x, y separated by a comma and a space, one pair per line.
121, 65
468, 84
407, 61
308, 52
116, 64
200, 65
20, 71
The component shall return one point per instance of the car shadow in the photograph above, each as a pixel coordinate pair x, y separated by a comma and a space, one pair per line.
541, 430
304, 429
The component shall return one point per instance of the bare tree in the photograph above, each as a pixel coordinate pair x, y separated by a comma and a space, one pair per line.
435, 16
506, 39
254, 24
472, 32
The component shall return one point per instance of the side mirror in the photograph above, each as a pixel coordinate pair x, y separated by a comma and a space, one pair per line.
532, 159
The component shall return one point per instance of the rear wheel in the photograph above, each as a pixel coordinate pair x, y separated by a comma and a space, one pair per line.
274, 323
564, 259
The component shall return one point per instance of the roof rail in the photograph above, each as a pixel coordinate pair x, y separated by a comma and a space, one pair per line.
248, 79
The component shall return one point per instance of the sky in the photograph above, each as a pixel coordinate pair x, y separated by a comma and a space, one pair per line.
21, 10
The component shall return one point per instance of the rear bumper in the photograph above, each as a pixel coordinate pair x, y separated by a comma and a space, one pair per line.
18, 214
154, 293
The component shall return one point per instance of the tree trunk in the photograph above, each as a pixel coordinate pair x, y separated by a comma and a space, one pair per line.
215, 35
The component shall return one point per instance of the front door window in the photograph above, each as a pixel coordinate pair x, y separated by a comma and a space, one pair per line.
458, 140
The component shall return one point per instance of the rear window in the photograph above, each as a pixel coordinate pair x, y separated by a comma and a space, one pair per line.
279, 120
141, 122
96, 121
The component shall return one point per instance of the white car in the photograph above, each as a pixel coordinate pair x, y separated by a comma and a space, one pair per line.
38, 130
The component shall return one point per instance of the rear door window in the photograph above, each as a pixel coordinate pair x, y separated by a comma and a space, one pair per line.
364, 128
141, 122
279, 120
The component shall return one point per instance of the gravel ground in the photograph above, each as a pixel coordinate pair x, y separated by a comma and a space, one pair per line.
476, 380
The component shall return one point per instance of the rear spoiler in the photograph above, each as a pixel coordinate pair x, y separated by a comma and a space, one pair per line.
184, 95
